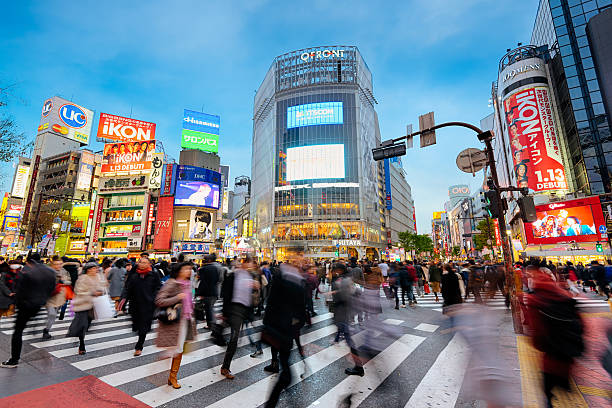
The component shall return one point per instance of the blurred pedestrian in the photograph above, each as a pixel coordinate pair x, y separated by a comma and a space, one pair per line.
87, 287
176, 322
208, 276
556, 330
435, 276
140, 291
58, 297
116, 281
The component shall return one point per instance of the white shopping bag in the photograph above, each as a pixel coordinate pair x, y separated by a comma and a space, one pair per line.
103, 308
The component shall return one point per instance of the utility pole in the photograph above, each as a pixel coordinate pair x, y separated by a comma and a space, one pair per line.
391, 148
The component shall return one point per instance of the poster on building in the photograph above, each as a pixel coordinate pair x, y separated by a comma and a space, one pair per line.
533, 140
86, 169
200, 131
163, 223
200, 225
131, 156
157, 164
118, 128
21, 181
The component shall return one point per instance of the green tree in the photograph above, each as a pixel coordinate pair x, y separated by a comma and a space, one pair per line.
487, 232
414, 243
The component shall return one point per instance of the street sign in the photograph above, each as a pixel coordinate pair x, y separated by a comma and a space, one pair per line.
426, 121
603, 229
471, 160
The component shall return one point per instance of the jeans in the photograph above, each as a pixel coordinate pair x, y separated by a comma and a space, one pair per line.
51, 315
406, 290
249, 331
23, 316
237, 315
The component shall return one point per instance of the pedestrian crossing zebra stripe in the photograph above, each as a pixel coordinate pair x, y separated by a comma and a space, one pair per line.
442, 382
142, 371
161, 395
380, 366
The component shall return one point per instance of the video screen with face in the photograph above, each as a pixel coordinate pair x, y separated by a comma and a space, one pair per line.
196, 194
565, 222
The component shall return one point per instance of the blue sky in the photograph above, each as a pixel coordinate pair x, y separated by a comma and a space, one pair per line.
156, 58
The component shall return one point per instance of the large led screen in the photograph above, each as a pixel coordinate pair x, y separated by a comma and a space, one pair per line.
315, 162
568, 222
196, 194
322, 113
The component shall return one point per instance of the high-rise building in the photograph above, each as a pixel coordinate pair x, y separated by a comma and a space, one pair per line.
315, 186
398, 201
561, 26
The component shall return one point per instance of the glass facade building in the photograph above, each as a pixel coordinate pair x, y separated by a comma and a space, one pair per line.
315, 186
561, 25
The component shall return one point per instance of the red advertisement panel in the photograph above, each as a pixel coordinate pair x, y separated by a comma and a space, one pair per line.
497, 233
131, 156
96, 231
577, 220
533, 140
122, 129
163, 224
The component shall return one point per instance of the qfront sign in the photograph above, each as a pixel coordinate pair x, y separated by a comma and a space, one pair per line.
320, 54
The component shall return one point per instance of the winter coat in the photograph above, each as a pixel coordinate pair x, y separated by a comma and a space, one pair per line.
35, 285
344, 289
5, 299
374, 279
285, 309
168, 334
84, 290
356, 273
451, 291
208, 275
116, 280
141, 292
57, 300
435, 273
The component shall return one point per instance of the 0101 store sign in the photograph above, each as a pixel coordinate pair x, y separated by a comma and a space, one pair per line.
533, 140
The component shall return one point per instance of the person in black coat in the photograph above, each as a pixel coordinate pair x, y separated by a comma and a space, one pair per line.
286, 304
208, 275
34, 287
451, 288
141, 286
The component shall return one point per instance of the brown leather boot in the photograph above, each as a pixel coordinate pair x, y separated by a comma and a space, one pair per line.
176, 363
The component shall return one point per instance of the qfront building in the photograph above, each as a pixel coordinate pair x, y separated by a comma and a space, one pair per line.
315, 187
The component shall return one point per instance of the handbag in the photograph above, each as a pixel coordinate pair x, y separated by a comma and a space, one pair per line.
102, 306
169, 315
198, 309
426, 288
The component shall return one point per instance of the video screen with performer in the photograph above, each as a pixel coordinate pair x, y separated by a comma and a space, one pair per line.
197, 194
564, 222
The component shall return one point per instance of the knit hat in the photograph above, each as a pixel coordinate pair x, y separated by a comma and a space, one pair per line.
89, 265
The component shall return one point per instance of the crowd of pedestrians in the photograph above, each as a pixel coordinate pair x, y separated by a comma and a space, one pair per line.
180, 292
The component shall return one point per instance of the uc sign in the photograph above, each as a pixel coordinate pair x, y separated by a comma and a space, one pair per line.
72, 115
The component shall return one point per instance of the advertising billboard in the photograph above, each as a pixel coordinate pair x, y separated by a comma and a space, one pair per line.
200, 131
197, 194
200, 225
576, 220
388, 198
533, 140
437, 215
123, 183
157, 163
459, 190
113, 127
131, 156
163, 224
190, 139
67, 119
315, 162
86, 169
321, 113
21, 181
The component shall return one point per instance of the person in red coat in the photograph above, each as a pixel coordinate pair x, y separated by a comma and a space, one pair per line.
556, 330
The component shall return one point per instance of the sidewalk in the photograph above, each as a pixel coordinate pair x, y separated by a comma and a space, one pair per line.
591, 386
44, 381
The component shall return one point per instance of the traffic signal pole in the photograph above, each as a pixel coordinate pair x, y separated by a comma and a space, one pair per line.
486, 138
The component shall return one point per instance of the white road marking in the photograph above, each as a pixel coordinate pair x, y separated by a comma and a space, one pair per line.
427, 327
394, 322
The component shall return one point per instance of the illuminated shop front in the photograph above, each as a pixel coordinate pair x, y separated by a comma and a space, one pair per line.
313, 176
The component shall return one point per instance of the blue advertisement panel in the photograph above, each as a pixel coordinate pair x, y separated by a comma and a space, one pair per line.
197, 187
388, 197
201, 122
322, 113
192, 173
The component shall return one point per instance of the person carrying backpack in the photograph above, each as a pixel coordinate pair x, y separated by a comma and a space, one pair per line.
556, 330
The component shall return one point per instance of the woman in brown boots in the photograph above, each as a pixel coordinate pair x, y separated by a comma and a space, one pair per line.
175, 314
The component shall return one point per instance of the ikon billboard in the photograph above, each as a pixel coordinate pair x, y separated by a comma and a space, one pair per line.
132, 156
533, 139
67, 119
122, 129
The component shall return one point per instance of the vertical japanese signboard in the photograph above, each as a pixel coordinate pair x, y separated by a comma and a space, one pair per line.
163, 223
533, 139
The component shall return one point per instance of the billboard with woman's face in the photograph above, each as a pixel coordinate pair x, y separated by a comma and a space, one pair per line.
130, 156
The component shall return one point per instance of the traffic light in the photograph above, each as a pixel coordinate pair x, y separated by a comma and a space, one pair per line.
388, 151
527, 208
599, 247
493, 204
